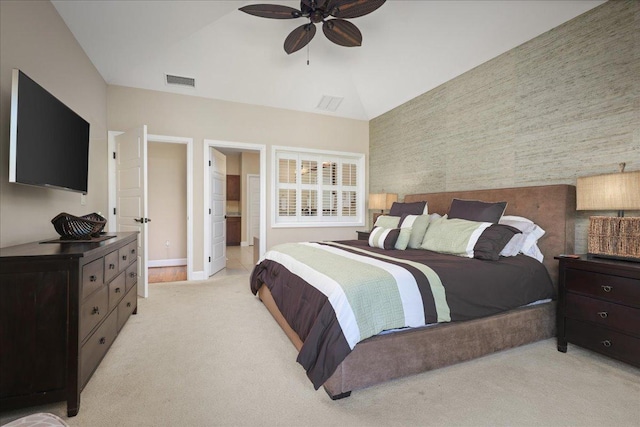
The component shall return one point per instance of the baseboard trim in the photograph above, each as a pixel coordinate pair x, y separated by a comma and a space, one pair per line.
198, 275
167, 262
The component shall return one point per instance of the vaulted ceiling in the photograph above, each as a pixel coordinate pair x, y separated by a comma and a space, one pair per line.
409, 47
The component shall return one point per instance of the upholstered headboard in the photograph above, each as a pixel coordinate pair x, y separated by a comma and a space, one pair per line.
552, 207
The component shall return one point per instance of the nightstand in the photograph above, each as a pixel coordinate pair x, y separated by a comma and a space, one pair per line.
599, 306
363, 235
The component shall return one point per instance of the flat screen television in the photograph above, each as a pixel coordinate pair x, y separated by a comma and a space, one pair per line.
48, 142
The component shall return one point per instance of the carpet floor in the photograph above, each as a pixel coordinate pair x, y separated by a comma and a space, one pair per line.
209, 354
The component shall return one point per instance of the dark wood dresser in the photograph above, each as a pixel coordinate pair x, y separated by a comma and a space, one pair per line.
599, 306
61, 307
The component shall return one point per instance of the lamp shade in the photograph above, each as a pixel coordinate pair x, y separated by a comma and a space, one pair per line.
615, 191
382, 201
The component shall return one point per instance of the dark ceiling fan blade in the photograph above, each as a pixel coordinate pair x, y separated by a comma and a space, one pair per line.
271, 11
299, 38
346, 9
342, 32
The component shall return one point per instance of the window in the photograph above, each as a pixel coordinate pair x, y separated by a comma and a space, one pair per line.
318, 188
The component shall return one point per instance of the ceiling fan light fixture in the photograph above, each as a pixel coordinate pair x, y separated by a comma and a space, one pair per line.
339, 31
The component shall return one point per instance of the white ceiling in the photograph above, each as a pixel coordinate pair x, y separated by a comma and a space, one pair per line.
408, 48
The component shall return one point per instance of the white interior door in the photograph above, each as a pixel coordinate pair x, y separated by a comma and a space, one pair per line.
253, 204
131, 194
218, 210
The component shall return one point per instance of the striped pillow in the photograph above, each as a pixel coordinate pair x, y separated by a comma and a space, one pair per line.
453, 236
383, 238
418, 225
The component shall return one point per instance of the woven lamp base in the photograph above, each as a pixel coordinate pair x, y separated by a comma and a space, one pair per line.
615, 237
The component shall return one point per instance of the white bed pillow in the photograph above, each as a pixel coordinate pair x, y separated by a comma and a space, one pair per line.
527, 242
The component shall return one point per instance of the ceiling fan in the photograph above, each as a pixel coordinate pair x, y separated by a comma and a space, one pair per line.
338, 30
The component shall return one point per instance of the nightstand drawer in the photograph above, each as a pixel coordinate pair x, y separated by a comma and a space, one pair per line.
620, 289
620, 317
363, 235
605, 341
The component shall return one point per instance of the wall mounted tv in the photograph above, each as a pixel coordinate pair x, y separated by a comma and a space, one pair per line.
48, 142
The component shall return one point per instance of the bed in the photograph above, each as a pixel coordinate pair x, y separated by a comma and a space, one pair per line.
408, 351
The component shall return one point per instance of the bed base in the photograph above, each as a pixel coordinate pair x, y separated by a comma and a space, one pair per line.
388, 356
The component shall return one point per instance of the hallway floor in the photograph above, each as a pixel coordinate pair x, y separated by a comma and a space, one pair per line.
239, 261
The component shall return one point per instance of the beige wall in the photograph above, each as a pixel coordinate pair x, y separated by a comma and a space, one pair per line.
167, 201
563, 105
250, 165
36, 40
201, 118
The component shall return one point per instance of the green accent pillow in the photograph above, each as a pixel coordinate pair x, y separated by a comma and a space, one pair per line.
418, 225
403, 238
453, 236
387, 221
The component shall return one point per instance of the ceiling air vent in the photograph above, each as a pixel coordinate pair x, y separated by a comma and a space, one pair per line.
180, 80
329, 103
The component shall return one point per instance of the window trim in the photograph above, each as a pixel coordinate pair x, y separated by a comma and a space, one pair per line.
281, 222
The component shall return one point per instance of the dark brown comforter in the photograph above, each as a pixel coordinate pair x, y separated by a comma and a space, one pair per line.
474, 288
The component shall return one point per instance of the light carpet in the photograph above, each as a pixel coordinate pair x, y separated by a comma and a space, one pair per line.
208, 354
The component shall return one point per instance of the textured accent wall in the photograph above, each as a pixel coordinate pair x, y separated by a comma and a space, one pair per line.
563, 105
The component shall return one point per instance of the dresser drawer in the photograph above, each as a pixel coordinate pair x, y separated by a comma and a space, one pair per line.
92, 277
613, 288
132, 250
117, 289
127, 305
603, 340
128, 254
96, 347
93, 310
620, 317
132, 275
111, 268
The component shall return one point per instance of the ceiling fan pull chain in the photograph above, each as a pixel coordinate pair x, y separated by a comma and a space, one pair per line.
307, 54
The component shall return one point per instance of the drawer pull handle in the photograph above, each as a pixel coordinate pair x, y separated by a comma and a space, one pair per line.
124, 257
117, 290
132, 275
607, 288
128, 304
112, 266
606, 343
133, 251
93, 278
96, 310
103, 340
603, 314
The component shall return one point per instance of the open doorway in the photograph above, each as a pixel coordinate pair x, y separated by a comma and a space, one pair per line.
113, 223
167, 205
245, 198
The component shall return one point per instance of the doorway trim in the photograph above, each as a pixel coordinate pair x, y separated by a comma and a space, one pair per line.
250, 235
112, 186
243, 146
